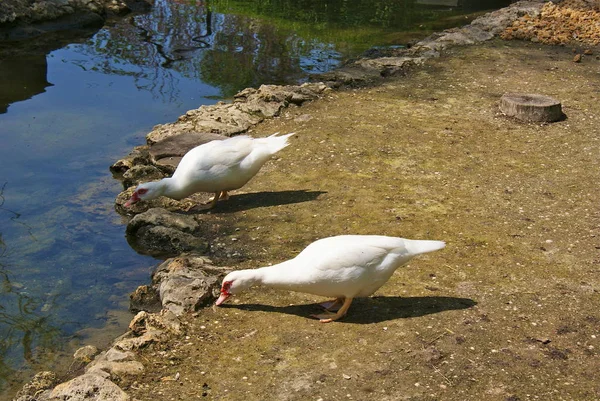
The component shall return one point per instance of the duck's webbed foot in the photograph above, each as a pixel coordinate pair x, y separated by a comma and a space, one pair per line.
333, 306
330, 317
208, 206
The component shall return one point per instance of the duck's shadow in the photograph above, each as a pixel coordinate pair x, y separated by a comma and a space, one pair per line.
373, 310
240, 202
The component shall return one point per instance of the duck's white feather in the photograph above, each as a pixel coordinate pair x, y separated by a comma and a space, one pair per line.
344, 266
220, 165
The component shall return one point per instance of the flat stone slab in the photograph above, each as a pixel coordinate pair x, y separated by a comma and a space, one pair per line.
179, 145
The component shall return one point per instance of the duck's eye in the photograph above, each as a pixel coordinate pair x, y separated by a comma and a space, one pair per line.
226, 286
142, 191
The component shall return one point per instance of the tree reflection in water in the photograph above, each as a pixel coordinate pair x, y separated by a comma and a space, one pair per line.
227, 51
233, 45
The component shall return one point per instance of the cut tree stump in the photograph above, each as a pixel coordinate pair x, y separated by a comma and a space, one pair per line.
531, 107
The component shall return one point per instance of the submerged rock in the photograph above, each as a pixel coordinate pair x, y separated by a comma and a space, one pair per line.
86, 353
158, 232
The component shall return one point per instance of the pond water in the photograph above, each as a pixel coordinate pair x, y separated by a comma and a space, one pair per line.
68, 112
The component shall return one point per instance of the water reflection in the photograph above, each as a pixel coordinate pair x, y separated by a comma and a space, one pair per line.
21, 79
229, 52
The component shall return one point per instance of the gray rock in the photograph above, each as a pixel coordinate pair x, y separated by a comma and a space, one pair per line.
165, 321
250, 107
180, 144
85, 354
119, 369
163, 218
497, 21
386, 66
90, 386
223, 119
168, 164
147, 328
138, 156
352, 74
40, 382
115, 355
141, 173
131, 342
167, 154
268, 100
187, 283
161, 202
161, 233
145, 298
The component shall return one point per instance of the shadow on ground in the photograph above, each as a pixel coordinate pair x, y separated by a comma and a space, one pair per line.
372, 310
241, 202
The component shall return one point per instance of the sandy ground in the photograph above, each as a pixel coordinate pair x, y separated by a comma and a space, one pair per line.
508, 311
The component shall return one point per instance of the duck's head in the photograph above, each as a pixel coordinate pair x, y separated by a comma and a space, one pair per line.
234, 283
146, 191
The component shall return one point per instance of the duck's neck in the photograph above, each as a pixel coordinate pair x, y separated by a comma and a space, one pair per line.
171, 188
282, 275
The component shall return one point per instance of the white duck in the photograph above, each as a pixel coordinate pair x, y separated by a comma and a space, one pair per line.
342, 267
217, 166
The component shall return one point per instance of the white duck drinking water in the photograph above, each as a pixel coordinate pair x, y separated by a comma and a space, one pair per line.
342, 267
217, 166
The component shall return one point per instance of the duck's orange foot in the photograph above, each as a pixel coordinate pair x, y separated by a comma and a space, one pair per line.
330, 317
334, 305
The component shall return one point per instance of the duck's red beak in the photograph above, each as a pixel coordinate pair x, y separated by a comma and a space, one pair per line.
134, 199
222, 298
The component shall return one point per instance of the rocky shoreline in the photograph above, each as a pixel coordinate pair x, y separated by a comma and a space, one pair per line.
22, 19
188, 280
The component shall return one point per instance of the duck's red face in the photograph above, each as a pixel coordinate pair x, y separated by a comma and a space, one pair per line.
136, 197
224, 292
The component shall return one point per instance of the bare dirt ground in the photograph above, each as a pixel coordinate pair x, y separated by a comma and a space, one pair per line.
509, 310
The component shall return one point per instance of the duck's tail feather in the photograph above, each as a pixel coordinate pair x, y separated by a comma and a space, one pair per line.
417, 247
276, 143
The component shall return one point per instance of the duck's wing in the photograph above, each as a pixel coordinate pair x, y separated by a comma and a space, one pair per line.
218, 154
368, 253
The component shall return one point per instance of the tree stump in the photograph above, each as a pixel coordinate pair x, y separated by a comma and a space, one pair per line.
531, 107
